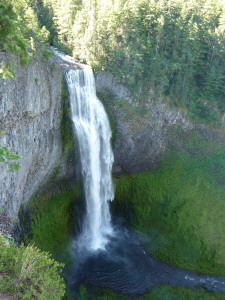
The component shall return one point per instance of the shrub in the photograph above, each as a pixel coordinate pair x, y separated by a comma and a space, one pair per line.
30, 273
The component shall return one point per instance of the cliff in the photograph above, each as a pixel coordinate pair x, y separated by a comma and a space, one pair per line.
178, 209
146, 129
31, 112
30, 116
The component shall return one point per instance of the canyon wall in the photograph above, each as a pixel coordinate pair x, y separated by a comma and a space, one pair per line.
30, 116
146, 128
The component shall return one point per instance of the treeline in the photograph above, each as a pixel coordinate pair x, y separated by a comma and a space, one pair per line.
176, 47
29, 273
20, 33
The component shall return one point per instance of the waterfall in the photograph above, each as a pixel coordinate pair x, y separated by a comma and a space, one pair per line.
91, 126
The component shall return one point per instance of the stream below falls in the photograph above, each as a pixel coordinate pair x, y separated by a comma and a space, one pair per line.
126, 268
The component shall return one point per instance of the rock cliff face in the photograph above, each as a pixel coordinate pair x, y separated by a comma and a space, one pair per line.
145, 131
30, 115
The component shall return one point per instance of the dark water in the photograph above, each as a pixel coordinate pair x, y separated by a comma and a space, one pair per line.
125, 267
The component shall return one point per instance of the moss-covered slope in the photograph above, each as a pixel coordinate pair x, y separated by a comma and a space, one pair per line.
180, 209
49, 221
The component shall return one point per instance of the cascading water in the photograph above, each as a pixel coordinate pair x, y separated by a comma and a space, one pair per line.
124, 266
93, 131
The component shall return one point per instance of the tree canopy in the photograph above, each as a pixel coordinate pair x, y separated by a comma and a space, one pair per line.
176, 47
20, 31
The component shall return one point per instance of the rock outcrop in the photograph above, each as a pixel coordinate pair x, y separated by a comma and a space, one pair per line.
30, 116
145, 131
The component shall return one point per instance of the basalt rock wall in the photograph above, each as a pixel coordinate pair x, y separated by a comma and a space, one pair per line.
30, 116
147, 128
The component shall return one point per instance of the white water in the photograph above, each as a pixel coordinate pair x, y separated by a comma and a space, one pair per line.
92, 129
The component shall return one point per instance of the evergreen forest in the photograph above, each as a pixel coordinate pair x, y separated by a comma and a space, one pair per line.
174, 47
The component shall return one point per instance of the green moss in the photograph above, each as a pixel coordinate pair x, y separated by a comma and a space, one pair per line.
55, 173
53, 225
166, 292
66, 124
49, 222
161, 292
181, 210
89, 292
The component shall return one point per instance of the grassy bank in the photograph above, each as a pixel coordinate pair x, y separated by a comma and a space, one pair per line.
161, 292
179, 209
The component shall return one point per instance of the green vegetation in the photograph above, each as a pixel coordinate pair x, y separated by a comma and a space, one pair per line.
176, 48
54, 225
9, 158
66, 124
12, 39
20, 34
167, 292
49, 222
161, 292
179, 209
69, 142
29, 273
